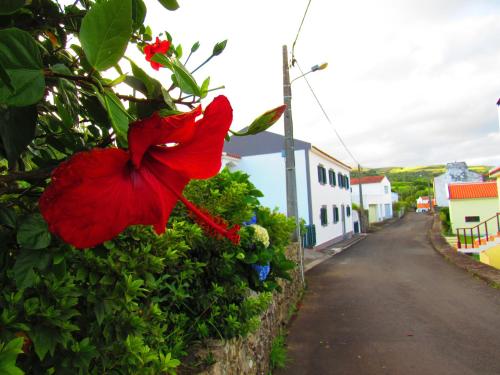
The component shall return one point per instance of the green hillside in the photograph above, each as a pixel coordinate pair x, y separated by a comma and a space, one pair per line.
412, 182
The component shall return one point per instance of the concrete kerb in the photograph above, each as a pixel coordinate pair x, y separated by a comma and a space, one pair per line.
334, 250
480, 270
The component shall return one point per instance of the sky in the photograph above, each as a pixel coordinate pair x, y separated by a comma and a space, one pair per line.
409, 82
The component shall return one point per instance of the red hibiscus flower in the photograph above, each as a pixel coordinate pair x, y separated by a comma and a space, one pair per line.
95, 195
160, 46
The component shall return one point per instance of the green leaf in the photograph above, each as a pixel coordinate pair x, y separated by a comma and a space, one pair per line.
117, 114
163, 60
263, 122
8, 356
66, 99
45, 340
4, 76
153, 87
204, 87
23, 270
33, 233
138, 13
8, 217
21, 61
184, 79
169, 4
105, 32
167, 98
219, 47
17, 130
11, 6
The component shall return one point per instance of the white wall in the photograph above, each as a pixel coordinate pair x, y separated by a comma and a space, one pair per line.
375, 194
267, 173
328, 195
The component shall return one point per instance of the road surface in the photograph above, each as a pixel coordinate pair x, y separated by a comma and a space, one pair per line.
391, 305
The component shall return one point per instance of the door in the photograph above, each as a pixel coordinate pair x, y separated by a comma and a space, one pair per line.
342, 210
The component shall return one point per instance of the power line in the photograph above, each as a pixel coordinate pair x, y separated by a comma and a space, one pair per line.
326, 115
298, 31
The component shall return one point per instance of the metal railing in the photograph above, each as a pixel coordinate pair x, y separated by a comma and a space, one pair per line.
476, 242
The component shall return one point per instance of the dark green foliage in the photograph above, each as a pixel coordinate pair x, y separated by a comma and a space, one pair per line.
444, 215
138, 303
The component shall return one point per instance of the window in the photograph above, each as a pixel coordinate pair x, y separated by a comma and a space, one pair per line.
386, 189
348, 211
472, 219
346, 184
341, 180
321, 174
323, 215
335, 214
331, 177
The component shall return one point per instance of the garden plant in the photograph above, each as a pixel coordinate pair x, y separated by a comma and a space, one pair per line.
121, 246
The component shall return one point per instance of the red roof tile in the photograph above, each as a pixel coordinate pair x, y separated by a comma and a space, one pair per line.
473, 190
367, 180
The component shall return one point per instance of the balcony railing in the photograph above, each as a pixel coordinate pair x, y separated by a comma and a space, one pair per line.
478, 235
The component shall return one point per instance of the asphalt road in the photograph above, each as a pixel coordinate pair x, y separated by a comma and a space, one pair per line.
391, 305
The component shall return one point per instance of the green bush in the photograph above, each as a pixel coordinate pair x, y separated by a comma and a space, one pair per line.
136, 304
444, 216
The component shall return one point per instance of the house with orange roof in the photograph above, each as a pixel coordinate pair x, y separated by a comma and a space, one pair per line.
490, 250
377, 197
423, 204
473, 203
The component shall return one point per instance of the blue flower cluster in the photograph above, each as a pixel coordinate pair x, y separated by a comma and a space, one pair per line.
263, 271
253, 220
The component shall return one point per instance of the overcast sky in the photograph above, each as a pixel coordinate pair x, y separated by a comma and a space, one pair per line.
409, 82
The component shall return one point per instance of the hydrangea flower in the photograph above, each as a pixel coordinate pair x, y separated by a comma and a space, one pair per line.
262, 271
261, 234
96, 194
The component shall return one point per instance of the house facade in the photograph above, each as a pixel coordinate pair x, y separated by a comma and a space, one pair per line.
455, 172
323, 196
472, 203
377, 196
423, 204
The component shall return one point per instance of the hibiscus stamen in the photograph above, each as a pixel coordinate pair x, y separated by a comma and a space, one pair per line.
215, 226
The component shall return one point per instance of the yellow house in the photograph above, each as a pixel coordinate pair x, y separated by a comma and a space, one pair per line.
491, 256
472, 203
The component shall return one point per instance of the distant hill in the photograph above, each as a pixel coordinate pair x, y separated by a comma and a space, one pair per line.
412, 182
412, 173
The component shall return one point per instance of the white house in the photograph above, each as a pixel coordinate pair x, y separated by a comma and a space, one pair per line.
423, 204
377, 196
455, 172
323, 196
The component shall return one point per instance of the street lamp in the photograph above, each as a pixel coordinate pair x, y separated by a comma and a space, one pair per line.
291, 182
313, 69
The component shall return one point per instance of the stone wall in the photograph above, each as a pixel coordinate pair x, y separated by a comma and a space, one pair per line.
250, 355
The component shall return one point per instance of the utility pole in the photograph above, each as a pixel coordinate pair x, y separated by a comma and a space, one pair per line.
291, 182
361, 224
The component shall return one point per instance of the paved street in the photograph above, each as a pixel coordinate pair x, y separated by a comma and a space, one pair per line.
391, 305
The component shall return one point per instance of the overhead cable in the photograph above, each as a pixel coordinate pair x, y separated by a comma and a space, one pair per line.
326, 115
298, 31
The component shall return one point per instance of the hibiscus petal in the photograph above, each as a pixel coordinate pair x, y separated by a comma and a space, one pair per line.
201, 156
95, 195
156, 130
